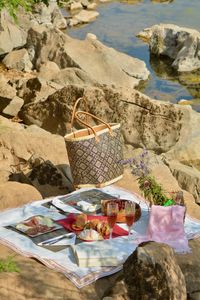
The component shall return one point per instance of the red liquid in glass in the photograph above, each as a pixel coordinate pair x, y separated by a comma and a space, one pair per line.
130, 220
112, 220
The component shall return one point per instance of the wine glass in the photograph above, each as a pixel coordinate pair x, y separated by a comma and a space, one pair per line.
129, 215
112, 211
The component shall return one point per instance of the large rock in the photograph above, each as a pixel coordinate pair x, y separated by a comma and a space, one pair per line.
179, 43
18, 145
145, 122
73, 76
19, 60
49, 14
47, 178
11, 35
188, 264
187, 177
54, 112
13, 107
49, 70
118, 68
151, 272
57, 18
37, 88
86, 16
7, 92
10, 103
186, 150
15, 194
190, 267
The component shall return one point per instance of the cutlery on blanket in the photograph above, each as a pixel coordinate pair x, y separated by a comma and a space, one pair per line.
55, 240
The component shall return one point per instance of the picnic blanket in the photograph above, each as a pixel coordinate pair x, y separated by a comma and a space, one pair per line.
63, 260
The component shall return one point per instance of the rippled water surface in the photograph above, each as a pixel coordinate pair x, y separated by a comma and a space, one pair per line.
117, 26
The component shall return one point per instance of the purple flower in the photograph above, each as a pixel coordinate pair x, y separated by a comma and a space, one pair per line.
139, 164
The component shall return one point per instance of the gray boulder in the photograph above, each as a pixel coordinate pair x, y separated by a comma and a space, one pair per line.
150, 272
153, 124
10, 104
187, 177
75, 6
49, 15
15, 194
118, 68
18, 144
7, 92
190, 267
11, 35
13, 108
66, 76
73, 76
48, 70
35, 89
57, 19
85, 16
187, 148
46, 177
18, 60
179, 43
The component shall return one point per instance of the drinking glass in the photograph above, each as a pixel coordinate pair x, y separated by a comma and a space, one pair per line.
112, 211
129, 215
179, 198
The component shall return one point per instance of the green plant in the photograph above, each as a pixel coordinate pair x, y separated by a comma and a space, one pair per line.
152, 190
12, 6
8, 265
148, 185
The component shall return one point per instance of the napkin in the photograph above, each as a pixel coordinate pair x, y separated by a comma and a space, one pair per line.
166, 225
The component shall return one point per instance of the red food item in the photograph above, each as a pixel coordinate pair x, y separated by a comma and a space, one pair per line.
32, 231
130, 219
112, 220
73, 203
32, 222
100, 226
80, 221
36, 227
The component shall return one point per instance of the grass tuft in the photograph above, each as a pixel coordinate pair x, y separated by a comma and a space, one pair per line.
8, 265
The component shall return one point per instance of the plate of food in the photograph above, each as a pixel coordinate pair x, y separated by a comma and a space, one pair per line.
121, 214
90, 235
36, 225
90, 227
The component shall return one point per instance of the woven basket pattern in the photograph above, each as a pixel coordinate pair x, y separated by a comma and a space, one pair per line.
94, 163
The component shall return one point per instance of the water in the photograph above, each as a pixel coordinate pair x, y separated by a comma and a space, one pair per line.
117, 26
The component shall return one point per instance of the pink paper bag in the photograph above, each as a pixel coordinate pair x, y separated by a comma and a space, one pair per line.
166, 225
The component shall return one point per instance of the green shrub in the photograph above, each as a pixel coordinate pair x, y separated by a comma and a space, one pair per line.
13, 5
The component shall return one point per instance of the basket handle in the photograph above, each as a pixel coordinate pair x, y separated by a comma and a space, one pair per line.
89, 126
75, 108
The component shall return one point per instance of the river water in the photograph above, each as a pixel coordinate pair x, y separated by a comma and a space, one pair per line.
117, 26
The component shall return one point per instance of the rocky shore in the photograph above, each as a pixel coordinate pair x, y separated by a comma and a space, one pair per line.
42, 73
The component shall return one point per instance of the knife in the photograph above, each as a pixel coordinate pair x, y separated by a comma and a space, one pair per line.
59, 238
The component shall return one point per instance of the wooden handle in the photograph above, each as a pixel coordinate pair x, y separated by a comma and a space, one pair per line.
89, 126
